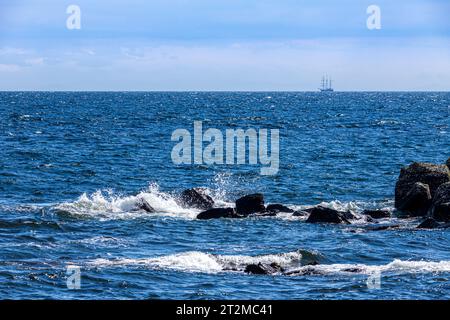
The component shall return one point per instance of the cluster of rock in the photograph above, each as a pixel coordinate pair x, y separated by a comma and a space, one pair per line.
423, 190
253, 205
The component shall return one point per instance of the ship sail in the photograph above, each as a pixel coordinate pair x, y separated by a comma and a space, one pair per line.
326, 85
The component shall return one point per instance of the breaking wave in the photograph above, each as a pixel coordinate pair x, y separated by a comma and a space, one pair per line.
106, 205
196, 261
295, 263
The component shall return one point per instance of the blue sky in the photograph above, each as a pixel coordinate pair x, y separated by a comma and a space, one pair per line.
224, 45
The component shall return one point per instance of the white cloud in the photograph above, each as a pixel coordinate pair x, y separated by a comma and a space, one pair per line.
9, 67
38, 61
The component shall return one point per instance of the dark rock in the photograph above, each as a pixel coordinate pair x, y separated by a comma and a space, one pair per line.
417, 200
426, 173
278, 208
441, 203
321, 214
262, 268
448, 163
217, 213
249, 204
196, 198
377, 214
353, 270
429, 223
144, 205
348, 215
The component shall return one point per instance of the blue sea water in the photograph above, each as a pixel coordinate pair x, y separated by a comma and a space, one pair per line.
72, 166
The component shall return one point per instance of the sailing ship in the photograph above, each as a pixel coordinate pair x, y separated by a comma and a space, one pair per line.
326, 85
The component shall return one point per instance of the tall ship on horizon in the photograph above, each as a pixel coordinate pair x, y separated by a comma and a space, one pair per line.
326, 85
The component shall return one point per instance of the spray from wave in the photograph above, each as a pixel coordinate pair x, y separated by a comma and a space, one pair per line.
106, 205
295, 263
196, 261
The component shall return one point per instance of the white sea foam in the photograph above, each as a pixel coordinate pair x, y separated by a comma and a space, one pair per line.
396, 266
106, 205
195, 261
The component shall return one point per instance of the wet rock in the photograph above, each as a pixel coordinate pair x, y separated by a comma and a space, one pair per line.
263, 268
144, 205
249, 204
441, 203
429, 223
427, 174
448, 163
321, 214
217, 213
353, 270
196, 198
417, 200
377, 214
278, 208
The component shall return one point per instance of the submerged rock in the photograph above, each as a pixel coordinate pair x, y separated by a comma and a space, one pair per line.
305, 271
377, 214
143, 204
441, 203
217, 213
321, 214
196, 198
432, 175
278, 208
263, 268
417, 200
429, 223
249, 204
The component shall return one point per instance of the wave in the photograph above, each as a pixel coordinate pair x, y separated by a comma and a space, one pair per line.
295, 263
196, 261
106, 205
397, 266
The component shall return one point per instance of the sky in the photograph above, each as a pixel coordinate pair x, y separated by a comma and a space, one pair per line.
244, 45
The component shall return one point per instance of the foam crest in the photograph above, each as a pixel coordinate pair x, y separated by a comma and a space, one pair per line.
295, 264
195, 261
104, 204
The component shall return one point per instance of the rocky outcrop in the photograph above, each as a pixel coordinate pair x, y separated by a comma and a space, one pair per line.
440, 209
321, 214
196, 198
377, 214
217, 213
263, 268
417, 201
448, 163
278, 208
411, 194
428, 223
249, 204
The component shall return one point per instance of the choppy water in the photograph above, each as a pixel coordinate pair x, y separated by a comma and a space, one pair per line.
73, 164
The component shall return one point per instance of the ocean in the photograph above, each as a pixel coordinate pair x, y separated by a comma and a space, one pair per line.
73, 164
